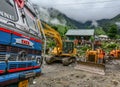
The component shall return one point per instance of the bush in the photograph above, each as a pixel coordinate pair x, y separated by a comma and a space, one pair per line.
113, 45
82, 50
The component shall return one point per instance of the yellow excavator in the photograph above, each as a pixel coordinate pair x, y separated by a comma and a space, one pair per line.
64, 51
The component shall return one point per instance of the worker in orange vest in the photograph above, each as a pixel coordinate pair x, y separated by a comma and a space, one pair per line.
101, 55
75, 42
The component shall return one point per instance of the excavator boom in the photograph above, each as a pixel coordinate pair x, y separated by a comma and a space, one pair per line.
50, 32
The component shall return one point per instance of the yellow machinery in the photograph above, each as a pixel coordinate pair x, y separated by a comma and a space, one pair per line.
92, 62
115, 54
64, 50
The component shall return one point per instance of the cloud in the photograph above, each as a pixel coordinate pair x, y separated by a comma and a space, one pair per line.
83, 10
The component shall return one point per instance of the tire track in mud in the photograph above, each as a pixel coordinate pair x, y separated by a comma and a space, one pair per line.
56, 75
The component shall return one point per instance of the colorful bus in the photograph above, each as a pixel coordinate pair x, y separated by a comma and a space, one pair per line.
20, 43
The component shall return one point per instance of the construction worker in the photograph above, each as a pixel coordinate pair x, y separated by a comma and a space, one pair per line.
75, 42
101, 54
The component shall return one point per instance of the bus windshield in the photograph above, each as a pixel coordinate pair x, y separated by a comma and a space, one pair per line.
31, 20
7, 9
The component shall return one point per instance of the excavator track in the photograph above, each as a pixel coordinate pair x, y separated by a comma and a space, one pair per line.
91, 67
65, 60
68, 60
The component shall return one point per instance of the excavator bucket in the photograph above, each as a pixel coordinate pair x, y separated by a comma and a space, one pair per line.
91, 67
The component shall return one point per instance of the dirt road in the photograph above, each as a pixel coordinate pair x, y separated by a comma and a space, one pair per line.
56, 75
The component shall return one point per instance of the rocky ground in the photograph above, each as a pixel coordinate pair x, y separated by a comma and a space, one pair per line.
57, 75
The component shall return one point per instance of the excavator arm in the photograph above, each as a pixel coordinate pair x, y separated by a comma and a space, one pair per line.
50, 32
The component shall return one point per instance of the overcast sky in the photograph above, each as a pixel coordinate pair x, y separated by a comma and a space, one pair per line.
84, 10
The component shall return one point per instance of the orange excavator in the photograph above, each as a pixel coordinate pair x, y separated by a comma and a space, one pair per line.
64, 50
115, 54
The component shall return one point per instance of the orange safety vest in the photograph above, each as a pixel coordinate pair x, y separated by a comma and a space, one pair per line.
75, 42
101, 54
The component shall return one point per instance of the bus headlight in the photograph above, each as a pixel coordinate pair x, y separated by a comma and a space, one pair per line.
39, 60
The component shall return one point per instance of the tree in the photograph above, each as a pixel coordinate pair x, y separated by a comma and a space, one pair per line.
99, 31
112, 32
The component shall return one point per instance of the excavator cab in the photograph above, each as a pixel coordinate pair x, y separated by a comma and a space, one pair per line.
68, 47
